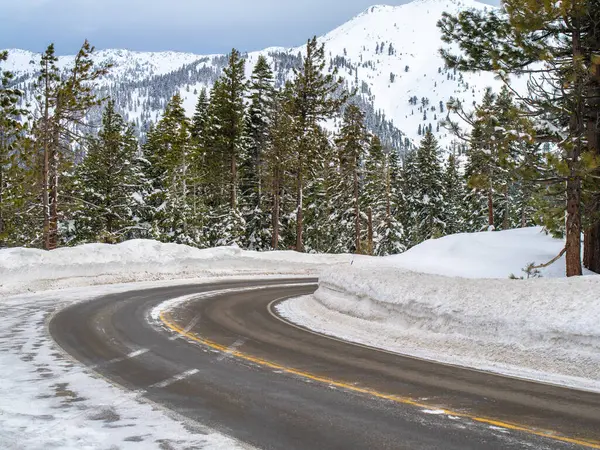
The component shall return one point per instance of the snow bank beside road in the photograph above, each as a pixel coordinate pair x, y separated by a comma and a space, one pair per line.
142, 260
547, 330
544, 329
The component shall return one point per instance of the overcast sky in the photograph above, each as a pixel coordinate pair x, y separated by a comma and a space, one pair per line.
198, 26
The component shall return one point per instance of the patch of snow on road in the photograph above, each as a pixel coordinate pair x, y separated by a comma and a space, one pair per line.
435, 412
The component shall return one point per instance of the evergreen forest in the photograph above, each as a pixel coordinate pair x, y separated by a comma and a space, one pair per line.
257, 165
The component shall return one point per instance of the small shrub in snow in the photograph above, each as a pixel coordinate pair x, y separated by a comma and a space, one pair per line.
530, 271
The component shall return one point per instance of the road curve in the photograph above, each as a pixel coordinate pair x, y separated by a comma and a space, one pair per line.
226, 361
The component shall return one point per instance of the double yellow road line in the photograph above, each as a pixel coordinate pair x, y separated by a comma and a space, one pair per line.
167, 320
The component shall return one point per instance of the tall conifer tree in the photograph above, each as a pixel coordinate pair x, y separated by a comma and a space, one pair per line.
316, 98
259, 123
558, 40
109, 184
64, 103
352, 144
168, 151
225, 147
14, 162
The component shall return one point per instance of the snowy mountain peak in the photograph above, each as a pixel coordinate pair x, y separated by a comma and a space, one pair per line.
435, 6
394, 52
390, 54
377, 9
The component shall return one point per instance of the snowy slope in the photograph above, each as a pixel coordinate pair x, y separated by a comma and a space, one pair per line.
412, 31
353, 47
484, 255
124, 61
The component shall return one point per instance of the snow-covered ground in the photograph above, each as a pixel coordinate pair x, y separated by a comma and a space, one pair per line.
484, 255
51, 401
546, 329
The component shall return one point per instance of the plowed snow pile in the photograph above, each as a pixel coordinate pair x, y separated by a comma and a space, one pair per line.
544, 329
142, 260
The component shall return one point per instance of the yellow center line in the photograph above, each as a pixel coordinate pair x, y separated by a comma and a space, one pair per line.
169, 323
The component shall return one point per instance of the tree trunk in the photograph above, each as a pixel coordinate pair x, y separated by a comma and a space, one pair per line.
591, 248
573, 225
233, 200
388, 189
505, 220
275, 214
371, 249
259, 169
591, 252
356, 211
3, 144
53, 219
54, 177
490, 209
46, 167
299, 214
184, 190
1, 202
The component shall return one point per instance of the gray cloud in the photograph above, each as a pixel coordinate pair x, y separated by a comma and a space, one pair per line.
199, 26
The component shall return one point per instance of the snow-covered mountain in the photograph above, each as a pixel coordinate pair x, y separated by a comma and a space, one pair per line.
389, 53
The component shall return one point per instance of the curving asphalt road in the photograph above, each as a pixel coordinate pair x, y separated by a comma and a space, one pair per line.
227, 361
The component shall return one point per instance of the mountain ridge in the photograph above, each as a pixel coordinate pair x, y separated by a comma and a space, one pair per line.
388, 53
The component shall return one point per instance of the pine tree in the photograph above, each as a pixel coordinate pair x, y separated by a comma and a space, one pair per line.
198, 161
560, 41
229, 117
374, 195
316, 98
351, 143
277, 159
47, 87
499, 138
210, 154
109, 184
483, 169
427, 193
63, 102
321, 233
225, 147
14, 163
382, 197
168, 151
200, 118
258, 124
393, 233
454, 198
